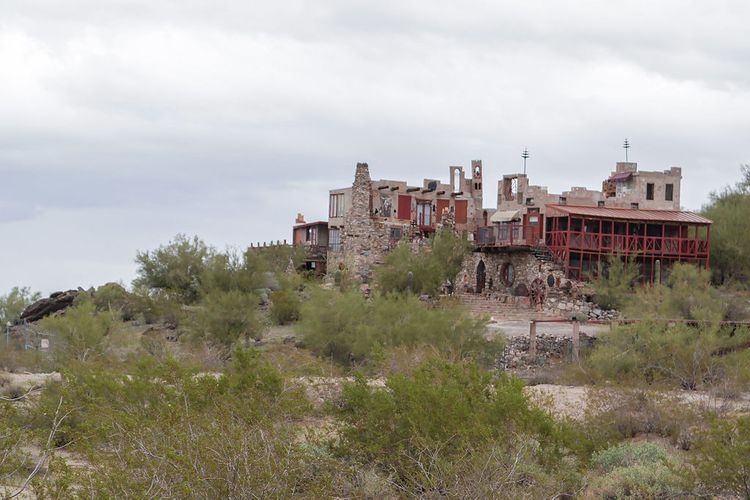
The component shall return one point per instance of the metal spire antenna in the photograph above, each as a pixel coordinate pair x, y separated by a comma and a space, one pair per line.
626, 146
525, 156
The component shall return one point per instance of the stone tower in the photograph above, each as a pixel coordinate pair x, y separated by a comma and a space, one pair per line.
358, 236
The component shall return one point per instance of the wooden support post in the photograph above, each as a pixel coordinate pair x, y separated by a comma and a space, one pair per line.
576, 340
532, 338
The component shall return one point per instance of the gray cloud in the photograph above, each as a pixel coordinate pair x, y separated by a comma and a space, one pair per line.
123, 123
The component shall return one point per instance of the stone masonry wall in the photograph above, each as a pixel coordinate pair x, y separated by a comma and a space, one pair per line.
364, 240
563, 297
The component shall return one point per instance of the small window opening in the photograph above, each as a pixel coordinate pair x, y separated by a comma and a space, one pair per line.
669, 192
650, 191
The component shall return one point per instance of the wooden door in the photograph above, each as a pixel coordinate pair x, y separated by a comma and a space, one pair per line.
461, 211
404, 207
442, 205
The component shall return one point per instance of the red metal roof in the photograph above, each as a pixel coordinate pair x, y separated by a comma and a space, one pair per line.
622, 176
630, 214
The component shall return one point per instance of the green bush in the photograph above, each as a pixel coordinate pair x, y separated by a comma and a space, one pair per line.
642, 470
722, 458
230, 271
628, 455
114, 298
157, 429
13, 438
730, 232
660, 351
349, 328
80, 333
612, 415
285, 306
613, 285
226, 317
688, 294
14, 302
430, 268
427, 426
175, 268
685, 356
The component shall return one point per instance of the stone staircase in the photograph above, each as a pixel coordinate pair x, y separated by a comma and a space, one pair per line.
543, 254
515, 309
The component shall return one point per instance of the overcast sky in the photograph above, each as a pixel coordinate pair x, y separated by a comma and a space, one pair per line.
125, 122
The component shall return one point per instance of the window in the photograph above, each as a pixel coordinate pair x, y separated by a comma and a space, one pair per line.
563, 200
336, 205
507, 274
634, 206
424, 213
650, 191
312, 235
600, 203
529, 201
395, 233
334, 238
668, 192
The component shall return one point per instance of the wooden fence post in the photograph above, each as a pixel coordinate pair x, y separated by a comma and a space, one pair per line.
576, 340
532, 338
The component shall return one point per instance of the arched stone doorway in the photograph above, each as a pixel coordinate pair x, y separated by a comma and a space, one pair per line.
481, 276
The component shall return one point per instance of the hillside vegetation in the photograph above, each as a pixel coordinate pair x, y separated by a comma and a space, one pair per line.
230, 375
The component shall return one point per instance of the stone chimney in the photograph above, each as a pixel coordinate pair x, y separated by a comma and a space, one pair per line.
361, 194
300, 219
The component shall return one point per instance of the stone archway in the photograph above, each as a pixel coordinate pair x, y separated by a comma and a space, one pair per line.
481, 276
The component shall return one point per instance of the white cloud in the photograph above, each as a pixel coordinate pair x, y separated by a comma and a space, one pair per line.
129, 121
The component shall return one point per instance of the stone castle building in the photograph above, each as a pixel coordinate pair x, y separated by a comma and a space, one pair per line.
533, 243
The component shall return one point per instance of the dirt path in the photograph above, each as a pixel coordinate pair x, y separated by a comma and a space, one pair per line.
571, 401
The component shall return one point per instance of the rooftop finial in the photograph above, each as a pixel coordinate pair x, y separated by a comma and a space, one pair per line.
525, 156
626, 146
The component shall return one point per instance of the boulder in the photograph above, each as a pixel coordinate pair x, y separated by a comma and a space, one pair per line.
57, 301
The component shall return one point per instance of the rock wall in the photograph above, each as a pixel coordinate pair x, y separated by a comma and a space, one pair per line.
548, 348
364, 241
511, 273
508, 280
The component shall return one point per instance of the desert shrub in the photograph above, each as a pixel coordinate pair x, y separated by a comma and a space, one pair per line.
80, 333
613, 415
722, 458
642, 470
14, 302
230, 271
657, 352
114, 298
628, 455
437, 423
430, 268
285, 307
12, 439
613, 284
275, 259
348, 328
175, 268
688, 294
226, 317
20, 361
148, 430
730, 234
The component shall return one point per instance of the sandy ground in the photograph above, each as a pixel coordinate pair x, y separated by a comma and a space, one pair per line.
571, 400
521, 328
26, 380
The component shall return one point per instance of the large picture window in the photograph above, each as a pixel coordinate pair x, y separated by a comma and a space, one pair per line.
336, 205
334, 238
